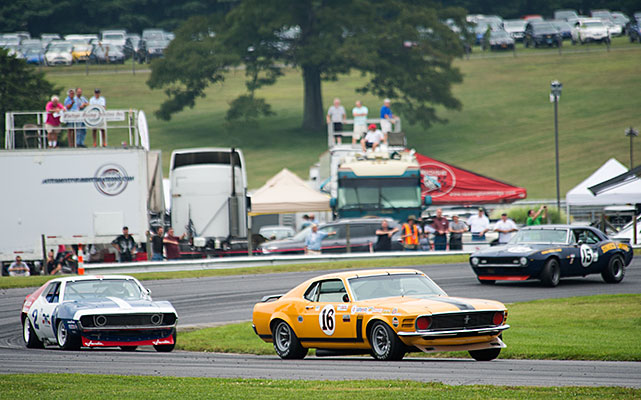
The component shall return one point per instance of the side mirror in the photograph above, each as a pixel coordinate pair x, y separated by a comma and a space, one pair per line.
345, 298
148, 292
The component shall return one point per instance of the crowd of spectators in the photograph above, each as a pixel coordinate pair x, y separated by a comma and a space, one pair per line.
76, 131
369, 136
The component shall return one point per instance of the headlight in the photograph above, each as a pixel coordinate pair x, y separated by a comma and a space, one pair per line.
523, 260
475, 261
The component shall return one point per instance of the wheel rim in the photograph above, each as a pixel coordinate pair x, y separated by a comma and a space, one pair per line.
62, 334
380, 340
556, 273
283, 337
617, 268
26, 332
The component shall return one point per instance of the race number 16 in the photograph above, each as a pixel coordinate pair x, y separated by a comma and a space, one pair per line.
327, 320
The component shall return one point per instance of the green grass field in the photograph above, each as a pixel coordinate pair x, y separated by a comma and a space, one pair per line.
604, 327
76, 386
505, 129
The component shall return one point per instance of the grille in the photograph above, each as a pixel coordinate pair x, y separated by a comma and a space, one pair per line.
107, 320
128, 336
499, 260
462, 320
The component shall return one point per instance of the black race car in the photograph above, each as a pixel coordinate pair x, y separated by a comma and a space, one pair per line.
551, 252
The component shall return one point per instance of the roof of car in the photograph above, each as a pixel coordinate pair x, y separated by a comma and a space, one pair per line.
368, 272
90, 277
557, 226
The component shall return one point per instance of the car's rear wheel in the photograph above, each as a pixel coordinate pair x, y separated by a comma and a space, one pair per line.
551, 274
615, 271
386, 346
29, 335
166, 348
485, 354
128, 348
286, 342
66, 340
486, 281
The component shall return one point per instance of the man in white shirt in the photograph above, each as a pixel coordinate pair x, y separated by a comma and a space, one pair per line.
360, 121
18, 268
372, 139
479, 225
506, 228
97, 99
336, 116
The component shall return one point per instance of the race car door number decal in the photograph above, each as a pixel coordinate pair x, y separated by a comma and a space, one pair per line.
327, 320
588, 256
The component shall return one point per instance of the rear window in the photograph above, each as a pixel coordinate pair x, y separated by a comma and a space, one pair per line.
205, 157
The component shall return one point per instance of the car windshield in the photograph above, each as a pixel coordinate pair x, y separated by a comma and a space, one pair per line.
113, 36
544, 28
82, 47
61, 48
514, 24
593, 24
540, 236
500, 35
378, 193
126, 289
394, 285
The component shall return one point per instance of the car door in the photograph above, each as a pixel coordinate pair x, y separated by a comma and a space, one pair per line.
333, 243
587, 245
40, 312
362, 236
327, 318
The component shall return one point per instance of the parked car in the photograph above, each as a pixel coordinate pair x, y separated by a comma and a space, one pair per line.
81, 52
59, 52
565, 15
34, 55
590, 30
516, 28
499, 40
362, 233
154, 35
136, 49
116, 36
552, 252
276, 232
542, 33
634, 30
49, 37
385, 313
97, 311
564, 28
156, 48
620, 19
106, 53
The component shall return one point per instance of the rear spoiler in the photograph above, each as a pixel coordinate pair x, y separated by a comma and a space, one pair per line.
270, 297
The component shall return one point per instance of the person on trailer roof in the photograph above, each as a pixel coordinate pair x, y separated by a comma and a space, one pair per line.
372, 138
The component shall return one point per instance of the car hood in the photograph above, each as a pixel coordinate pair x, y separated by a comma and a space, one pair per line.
415, 305
114, 305
514, 250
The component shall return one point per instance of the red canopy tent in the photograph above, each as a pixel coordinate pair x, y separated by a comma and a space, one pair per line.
460, 186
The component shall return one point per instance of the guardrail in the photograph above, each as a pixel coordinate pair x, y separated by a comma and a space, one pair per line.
250, 262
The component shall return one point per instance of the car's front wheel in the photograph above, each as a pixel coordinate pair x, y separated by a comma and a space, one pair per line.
29, 335
66, 340
615, 271
485, 354
286, 342
551, 274
386, 346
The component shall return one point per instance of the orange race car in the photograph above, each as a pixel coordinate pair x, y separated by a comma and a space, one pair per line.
384, 312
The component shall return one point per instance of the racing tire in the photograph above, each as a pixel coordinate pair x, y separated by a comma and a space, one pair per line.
551, 274
485, 354
65, 339
286, 342
166, 348
615, 271
128, 348
386, 346
486, 282
29, 335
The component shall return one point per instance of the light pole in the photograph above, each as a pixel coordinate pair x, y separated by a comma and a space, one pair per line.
555, 93
632, 133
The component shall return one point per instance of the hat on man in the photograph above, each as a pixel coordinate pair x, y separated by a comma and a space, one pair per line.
481, 209
96, 90
371, 126
411, 218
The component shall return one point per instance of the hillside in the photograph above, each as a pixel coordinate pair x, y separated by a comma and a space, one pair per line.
505, 129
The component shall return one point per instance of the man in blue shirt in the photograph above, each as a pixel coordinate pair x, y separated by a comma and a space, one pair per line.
82, 103
387, 118
71, 105
314, 239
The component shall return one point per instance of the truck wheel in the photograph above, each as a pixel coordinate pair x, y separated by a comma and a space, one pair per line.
166, 348
386, 346
29, 335
551, 274
485, 354
66, 340
286, 343
615, 271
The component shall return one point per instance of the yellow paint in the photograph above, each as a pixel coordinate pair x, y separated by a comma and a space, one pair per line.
608, 246
624, 247
551, 251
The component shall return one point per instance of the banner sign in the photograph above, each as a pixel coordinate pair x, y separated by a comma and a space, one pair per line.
93, 116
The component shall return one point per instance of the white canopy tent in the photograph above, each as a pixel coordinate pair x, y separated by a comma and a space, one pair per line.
287, 193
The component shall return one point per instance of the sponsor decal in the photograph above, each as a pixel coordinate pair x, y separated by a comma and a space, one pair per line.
395, 322
92, 343
445, 177
394, 310
608, 246
519, 249
317, 308
346, 318
300, 319
377, 310
624, 247
109, 179
162, 341
588, 256
571, 257
327, 320
341, 307
551, 251
357, 310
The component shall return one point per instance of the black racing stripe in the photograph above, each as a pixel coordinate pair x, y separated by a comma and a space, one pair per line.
461, 305
359, 329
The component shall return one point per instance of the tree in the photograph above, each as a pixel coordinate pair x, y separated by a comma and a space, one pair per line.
401, 46
22, 87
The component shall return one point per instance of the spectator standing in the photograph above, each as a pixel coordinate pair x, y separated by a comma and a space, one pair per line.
372, 139
125, 245
535, 218
441, 227
506, 228
457, 228
71, 105
360, 121
18, 268
54, 110
384, 237
157, 244
172, 244
98, 100
387, 118
81, 131
479, 225
425, 237
314, 239
336, 115
312, 219
410, 234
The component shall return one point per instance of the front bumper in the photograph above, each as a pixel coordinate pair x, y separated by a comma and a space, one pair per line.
430, 335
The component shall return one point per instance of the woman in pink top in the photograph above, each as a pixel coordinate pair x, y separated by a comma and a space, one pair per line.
52, 124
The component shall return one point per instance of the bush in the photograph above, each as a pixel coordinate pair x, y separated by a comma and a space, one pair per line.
519, 214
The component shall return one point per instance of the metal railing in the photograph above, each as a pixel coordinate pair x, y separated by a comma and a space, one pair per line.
396, 128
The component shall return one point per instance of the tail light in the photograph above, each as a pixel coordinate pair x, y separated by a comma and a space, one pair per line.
423, 323
498, 318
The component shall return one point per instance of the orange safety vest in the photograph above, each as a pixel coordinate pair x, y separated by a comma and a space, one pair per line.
410, 238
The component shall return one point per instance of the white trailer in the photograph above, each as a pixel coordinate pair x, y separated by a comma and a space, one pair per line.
75, 196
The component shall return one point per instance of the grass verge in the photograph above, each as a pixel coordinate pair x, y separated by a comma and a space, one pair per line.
603, 327
7, 282
152, 387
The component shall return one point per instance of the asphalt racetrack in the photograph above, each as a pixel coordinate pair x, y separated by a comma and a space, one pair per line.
218, 300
